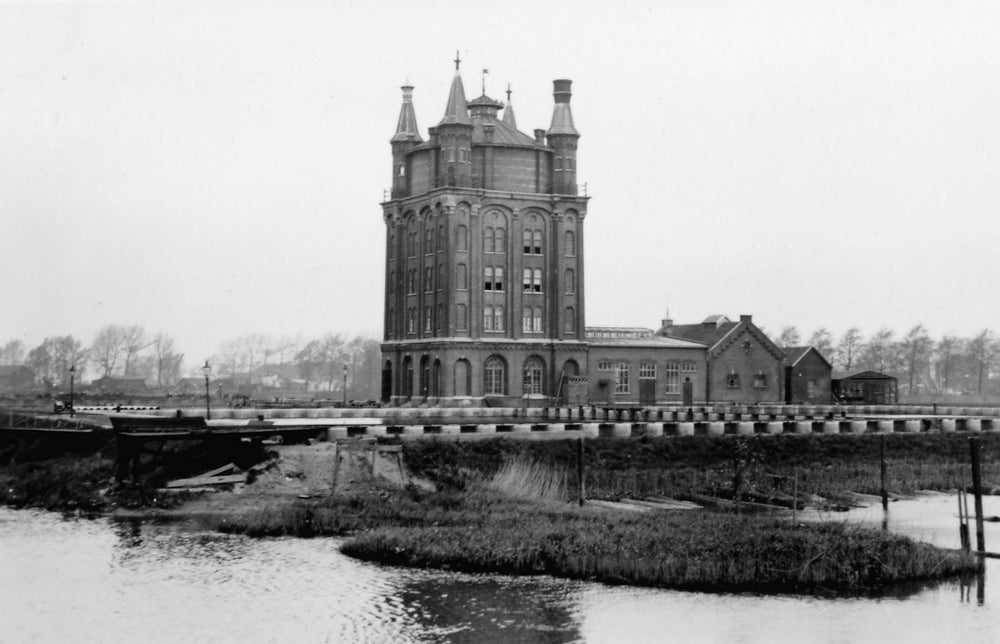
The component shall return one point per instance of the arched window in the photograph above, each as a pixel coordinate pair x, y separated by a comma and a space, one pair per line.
534, 368
498, 278
499, 237
487, 318
570, 320
570, 243
570, 280
526, 282
487, 278
536, 245
498, 318
441, 238
536, 280
428, 319
463, 237
536, 319
461, 277
494, 376
526, 320
463, 381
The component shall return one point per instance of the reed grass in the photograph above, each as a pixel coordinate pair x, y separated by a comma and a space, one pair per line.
525, 478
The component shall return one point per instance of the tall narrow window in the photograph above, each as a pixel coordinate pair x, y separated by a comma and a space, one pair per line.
570, 316
462, 313
488, 246
536, 320
526, 320
440, 317
428, 279
461, 277
494, 376
441, 238
498, 318
441, 280
498, 278
488, 278
392, 282
429, 239
463, 237
487, 318
533, 371
536, 280
527, 242
672, 378
536, 242
427, 319
451, 155
526, 284
499, 237
411, 320
621, 378
570, 243
570, 280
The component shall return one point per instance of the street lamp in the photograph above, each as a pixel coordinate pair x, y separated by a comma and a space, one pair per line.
72, 372
207, 370
345, 385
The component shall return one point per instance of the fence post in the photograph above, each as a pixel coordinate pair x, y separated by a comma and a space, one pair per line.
977, 491
580, 469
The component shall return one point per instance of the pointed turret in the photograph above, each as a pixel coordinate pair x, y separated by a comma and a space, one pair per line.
508, 112
562, 138
406, 137
453, 135
456, 111
406, 127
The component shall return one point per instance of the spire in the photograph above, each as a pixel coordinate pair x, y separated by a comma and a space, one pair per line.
456, 111
562, 117
508, 111
406, 127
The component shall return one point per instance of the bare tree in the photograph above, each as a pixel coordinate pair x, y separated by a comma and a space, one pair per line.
133, 341
823, 341
166, 361
947, 347
881, 352
53, 358
13, 353
849, 347
915, 348
789, 337
982, 350
107, 345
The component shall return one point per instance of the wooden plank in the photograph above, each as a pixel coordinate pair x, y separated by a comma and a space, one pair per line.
389, 448
220, 470
207, 480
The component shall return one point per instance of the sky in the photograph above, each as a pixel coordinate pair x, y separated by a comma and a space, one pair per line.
215, 169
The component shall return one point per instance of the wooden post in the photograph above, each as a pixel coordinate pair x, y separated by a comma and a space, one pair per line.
795, 495
963, 527
374, 450
580, 467
399, 463
336, 465
885, 493
977, 492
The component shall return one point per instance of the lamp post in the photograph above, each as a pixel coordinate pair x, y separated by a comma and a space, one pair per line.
207, 370
72, 372
345, 385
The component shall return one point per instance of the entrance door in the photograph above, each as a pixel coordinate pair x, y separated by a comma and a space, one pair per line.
647, 391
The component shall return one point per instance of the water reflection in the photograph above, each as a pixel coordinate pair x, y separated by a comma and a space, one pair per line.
98, 581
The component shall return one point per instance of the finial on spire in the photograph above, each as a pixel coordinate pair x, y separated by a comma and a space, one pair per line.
508, 92
485, 72
458, 60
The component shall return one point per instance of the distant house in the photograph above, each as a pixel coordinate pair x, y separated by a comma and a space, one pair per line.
193, 385
16, 379
119, 385
808, 376
743, 364
866, 388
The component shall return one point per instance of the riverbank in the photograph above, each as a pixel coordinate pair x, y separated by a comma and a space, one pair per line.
505, 506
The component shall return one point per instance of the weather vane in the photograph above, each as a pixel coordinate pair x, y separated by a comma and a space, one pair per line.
485, 72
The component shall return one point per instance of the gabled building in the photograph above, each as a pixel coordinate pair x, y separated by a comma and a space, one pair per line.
743, 365
119, 385
866, 388
807, 376
484, 283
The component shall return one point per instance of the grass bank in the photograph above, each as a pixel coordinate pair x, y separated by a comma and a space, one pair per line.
517, 521
828, 466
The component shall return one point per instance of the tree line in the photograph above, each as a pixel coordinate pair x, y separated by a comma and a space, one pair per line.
949, 364
130, 350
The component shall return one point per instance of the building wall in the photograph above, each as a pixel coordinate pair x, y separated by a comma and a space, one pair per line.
811, 368
603, 360
758, 371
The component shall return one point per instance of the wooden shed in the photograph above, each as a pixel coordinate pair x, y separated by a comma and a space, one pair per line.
866, 388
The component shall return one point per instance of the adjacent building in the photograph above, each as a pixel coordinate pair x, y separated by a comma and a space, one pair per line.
866, 388
807, 376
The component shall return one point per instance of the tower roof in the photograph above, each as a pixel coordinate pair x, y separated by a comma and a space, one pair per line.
508, 112
562, 116
456, 111
406, 127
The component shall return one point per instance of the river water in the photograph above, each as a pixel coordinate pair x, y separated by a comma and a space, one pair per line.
104, 581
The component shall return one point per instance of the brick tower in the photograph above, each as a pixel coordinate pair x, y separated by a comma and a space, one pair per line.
484, 290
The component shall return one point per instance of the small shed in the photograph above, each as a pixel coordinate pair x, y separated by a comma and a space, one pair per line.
808, 376
866, 388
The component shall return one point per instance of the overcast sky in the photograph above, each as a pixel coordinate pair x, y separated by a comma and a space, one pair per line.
212, 169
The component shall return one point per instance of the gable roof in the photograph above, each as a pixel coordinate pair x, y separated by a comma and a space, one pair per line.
794, 354
703, 333
868, 375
